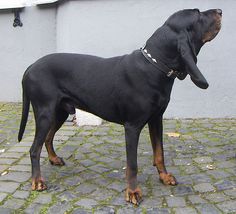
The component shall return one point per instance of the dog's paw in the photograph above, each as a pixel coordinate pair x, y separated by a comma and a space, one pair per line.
133, 196
168, 179
57, 161
38, 184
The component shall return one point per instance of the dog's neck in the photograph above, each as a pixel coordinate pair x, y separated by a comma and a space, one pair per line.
159, 64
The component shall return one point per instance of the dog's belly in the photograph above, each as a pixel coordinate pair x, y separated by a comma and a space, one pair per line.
131, 107
106, 110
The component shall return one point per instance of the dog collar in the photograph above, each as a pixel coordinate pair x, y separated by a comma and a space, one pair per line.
158, 64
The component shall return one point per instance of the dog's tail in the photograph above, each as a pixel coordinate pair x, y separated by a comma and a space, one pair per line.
24, 116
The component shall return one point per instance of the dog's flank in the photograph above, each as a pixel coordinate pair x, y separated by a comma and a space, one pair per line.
129, 90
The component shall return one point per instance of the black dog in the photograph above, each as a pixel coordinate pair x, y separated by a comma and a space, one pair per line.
131, 90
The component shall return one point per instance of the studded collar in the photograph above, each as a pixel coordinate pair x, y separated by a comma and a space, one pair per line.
160, 65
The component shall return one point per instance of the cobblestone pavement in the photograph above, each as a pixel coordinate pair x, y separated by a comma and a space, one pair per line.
200, 153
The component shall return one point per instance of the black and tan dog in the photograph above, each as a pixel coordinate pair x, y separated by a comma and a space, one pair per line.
132, 90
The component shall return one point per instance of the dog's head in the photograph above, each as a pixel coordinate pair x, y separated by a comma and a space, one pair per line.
194, 29
188, 30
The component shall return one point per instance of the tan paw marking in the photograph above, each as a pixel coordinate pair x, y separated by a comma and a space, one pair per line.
168, 179
57, 161
38, 184
133, 196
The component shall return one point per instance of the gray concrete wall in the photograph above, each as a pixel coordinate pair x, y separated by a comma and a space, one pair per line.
109, 28
21, 46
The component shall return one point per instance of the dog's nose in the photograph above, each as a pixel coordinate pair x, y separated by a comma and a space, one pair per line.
219, 11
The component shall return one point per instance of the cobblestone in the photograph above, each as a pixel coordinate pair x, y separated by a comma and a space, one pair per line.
2, 196
204, 187
9, 187
203, 160
175, 201
185, 210
231, 192
202, 157
196, 199
13, 203
4, 210
21, 194
33, 208
217, 197
158, 210
208, 209
16, 176
225, 184
59, 208
228, 206
183, 190
43, 199
86, 203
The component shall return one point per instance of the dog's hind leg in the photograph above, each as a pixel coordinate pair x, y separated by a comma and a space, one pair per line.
60, 117
43, 121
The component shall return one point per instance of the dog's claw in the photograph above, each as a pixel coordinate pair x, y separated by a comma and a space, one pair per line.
38, 185
168, 179
133, 196
57, 161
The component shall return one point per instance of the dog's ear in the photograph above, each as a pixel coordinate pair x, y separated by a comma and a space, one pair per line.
189, 59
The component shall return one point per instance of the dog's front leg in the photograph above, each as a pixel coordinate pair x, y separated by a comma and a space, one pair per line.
133, 194
156, 136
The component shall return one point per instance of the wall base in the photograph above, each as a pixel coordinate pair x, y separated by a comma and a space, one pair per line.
83, 118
